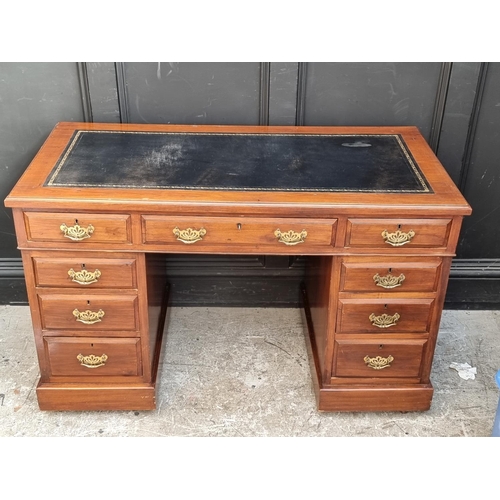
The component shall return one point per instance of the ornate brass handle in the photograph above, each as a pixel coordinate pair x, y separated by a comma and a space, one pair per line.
389, 281
378, 363
189, 235
290, 237
76, 232
92, 361
84, 277
88, 317
398, 238
384, 320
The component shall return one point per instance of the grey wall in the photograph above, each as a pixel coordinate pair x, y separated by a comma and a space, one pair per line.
33, 98
371, 93
480, 180
455, 105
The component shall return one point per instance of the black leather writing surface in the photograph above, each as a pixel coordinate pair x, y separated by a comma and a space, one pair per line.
260, 162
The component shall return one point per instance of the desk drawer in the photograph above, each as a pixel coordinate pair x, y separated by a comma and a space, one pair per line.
78, 228
384, 316
381, 275
186, 232
371, 358
83, 272
93, 357
89, 312
397, 233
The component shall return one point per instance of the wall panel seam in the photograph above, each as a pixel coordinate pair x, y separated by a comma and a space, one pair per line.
265, 90
121, 91
83, 80
301, 94
471, 133
440, 105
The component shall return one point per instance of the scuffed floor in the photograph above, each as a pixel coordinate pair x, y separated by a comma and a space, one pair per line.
244, 372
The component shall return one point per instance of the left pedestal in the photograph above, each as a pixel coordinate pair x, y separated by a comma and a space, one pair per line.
98, 320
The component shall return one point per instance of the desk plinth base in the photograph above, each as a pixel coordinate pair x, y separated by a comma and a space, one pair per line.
90, 397
95, 397
374, 399
415, 397
362, 397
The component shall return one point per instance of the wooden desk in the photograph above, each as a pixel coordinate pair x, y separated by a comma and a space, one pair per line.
372, 209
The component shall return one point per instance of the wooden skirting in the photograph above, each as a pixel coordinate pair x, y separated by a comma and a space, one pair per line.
474, 283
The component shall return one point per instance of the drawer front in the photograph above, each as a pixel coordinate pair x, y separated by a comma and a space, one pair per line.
389, 276
384, 316
80, 229
397, 233
93, 356
187, 232
84, 272
88, 312
379, 359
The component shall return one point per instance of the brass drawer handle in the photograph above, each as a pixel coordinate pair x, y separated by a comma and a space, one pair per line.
92, 361
378, 363
290, 237
398, 238
76, 232
384, 320
389, 281
84, 277
88, 317
189, 235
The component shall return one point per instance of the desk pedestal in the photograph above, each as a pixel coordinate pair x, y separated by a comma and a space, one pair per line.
371, 209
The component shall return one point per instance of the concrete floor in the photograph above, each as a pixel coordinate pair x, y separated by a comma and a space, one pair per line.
244, 372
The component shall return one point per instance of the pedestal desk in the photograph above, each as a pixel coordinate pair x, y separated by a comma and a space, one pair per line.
371, 207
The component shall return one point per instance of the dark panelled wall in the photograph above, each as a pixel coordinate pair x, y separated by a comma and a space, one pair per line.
455, 105
33, 98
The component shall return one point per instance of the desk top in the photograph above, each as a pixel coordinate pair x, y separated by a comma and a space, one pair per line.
244, 169
245, 162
